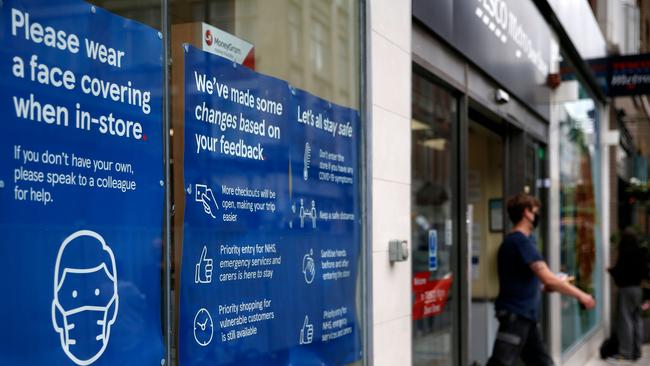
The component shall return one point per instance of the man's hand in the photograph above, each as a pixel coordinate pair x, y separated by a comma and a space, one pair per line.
646, 305
554, 283
587, 301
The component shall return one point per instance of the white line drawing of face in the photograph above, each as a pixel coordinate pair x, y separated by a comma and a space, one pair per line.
85, 300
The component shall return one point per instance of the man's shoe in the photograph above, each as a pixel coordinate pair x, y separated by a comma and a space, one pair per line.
620, 360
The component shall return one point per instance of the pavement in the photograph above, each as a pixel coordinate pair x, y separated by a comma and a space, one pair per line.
644, 361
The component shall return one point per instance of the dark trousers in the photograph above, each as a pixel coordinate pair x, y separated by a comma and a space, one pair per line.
629, 326
518, 337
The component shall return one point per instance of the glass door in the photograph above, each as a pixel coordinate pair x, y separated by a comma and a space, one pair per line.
433, 206
538, 183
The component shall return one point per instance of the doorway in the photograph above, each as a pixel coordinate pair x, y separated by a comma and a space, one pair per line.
485, 194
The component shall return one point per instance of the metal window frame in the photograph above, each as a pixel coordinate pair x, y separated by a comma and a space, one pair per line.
167, 238
365, 194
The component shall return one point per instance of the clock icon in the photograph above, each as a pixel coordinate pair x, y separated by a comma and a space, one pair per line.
203, 327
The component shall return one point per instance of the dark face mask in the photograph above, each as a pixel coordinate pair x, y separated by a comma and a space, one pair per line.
536, 220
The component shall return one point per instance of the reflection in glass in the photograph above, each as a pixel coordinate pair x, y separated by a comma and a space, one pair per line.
311, 44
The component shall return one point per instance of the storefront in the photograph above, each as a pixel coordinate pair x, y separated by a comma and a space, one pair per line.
486, 125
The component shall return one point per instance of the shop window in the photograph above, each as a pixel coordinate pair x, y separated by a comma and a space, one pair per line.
580, 240
261, 113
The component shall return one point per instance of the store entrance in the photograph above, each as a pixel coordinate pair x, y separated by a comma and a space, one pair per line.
501, 161
464, 165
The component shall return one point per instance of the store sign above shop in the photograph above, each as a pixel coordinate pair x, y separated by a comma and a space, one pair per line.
508, 39
629, 75
618, 75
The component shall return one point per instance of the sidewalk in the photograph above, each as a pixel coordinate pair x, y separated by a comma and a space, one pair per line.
645, 360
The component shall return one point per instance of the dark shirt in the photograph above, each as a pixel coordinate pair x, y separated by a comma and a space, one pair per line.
519, 290
631, 267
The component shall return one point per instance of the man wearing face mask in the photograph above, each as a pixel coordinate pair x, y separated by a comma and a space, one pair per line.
85, 296
521, 270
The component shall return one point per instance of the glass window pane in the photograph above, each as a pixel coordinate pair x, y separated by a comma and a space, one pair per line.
268, 92
579, 204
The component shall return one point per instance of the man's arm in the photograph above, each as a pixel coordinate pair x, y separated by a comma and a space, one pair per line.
554, 283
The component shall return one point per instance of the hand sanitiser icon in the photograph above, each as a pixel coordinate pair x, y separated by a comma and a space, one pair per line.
305, 170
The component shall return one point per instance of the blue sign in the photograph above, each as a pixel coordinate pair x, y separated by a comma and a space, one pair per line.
272, 226
81, 199
433, 250
617, 75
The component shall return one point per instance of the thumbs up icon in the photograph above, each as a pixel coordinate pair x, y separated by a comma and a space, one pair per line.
203, 270
307, 332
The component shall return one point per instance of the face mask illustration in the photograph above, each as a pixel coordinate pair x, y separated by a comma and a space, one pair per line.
85, 300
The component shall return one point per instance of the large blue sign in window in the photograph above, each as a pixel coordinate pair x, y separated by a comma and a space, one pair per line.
271, 228
80, 186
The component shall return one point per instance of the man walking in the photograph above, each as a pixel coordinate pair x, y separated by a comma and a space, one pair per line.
521, 270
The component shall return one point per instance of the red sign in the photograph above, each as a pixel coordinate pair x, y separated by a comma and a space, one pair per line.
430, 296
